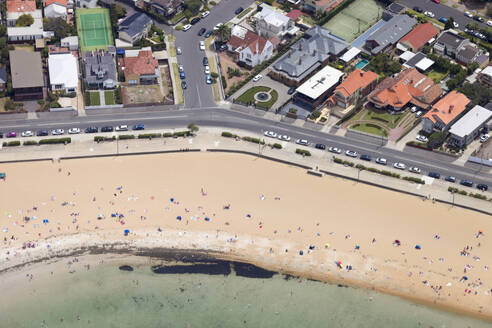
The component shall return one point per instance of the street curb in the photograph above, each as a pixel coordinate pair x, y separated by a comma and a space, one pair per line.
261, 156
133, 153
26, 160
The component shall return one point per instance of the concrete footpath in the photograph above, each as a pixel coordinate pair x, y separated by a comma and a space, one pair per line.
320, 163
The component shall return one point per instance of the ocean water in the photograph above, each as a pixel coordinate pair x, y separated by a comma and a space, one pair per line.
106, 296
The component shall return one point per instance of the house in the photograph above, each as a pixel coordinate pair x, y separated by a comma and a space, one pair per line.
449, 43
100, 69
485, 77
16, 8
250, 48
418, 37
408, 87
467, 128
55, 9
445, 112
316, 90
25, 33
294, 14
139, 67
419, 61
270, 23
3, 79
167, 8
390, 33
314, 50
471, 53
86, 3
313, 6
134, 28
357, 85
70, 42
27, 74
64, 73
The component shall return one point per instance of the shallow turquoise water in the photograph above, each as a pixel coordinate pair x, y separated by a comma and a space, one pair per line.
108, 297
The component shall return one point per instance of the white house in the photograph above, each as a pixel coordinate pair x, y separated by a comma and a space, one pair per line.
258, 51
270, 23
55, 9
70, 42
27, 33
64, 73
468, 127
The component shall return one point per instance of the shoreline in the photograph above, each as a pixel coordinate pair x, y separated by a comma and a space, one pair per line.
120, 250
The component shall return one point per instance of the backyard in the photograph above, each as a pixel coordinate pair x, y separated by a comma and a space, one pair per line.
109, 97
437, 76
227, 66
140, 94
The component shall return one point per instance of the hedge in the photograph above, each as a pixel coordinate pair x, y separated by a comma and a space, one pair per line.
228, 135
254, 140
479, 196
182, 133
11, 143
30, 143
416, 180
149, 135
55, 141
126, 136
303, 152
277, 146
100, 138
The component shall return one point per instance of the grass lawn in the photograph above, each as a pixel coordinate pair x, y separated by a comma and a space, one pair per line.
370, 129
248, 95
170, 38
172, 51
95, 99
109, 97
24, 47
436, 76
308, 20
2, 104
178, 91
244, 13
391, 120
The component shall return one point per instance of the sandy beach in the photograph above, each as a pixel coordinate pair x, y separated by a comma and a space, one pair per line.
244, 208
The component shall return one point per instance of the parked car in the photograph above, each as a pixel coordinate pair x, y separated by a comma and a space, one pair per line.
91, 129
73, 131
208, 79
478, 18
334, 150
57, 132
467, 183
484, 138
381, 160
223, 47
121, 128
1, 135
186, 27
443, 20
434, 175
366, 158
436, 1
208, 34
202, 45
482, 187
489, 23
42, 133
216, 27
257, 78
303, 142
195, 20
137, 127
399, 166
107, 129
284, 137
270, 134
351, 153
202, 31
205, 14
184, 85
182, 75
456, 25
207, 69
179, 51
205, 61
468, 14
450, 178
422, 138
238, 10
429, 14
418, 114
418, 9
12, 134
415, 169
291, 90
180, 68
27, 134
320, 146
413, 109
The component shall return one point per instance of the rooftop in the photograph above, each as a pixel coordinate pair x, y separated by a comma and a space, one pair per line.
471, 121
63, 70
60, 2
420, 61
420, 35
396, 28
450, 39
134, 24
356, 80
271, 16
20, 5
487, 71
294, 14
350, 54
139, 62
320, 82
448, 108
35, 29
26, 69
99, 66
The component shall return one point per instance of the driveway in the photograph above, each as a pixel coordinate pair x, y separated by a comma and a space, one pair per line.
266, 81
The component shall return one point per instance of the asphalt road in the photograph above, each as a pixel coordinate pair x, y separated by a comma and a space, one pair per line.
440, 10
227, 119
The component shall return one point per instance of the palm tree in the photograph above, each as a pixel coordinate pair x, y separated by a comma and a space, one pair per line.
223, 33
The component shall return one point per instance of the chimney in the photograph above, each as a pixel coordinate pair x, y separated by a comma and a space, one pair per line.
361, 73
451, 107
314, 52
300, 60
300, 46
288, 54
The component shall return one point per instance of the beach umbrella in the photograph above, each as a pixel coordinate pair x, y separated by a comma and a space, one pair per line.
207, 219
178, 218
126, 232
327, 245
172, 200
45, 221
301, 253
418, 247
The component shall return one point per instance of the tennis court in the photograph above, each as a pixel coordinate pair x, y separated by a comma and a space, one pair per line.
355, 19
94, 29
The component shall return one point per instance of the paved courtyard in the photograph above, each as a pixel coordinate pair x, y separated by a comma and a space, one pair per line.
266, 81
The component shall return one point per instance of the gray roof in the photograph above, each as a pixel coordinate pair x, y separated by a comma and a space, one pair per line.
135, 24
468, 52
99, 67
395, 8
309, 52
395, 29
26, 69
415, 59
3, 75
450, 39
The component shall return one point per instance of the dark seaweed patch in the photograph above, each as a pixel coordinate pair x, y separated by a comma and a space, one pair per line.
251, 271
126, 268
219, 268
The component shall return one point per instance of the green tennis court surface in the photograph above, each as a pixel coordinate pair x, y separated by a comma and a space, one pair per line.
94, 29
355, 19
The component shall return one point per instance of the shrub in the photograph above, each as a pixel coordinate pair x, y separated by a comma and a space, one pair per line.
277, 146
338, 160
24, 20
479, 196
228, 134
374, 170
303, 152
214, 75
12, 143
452, 189
212, 3
416, 180
253, 140
348, 163
126, 136
30, 143
100, 138
390, 174
149, 135
167, 135
181, 133
361, 167
55, 141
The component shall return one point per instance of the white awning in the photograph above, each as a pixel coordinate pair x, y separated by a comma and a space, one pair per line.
424, 64
350, 54
407, 55
401, 47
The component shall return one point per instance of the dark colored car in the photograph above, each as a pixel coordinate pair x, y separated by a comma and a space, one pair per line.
443, 20
434, 175
365, 158
183, 84
482, 187
182, 75
478, 19
107, 129
466, 183
195, 20
202, 31
320, 146
450, 178
239, 10
209, 33
42, 133
1, 134
418, 9
91, 129
205, 61
291, 90
139, 127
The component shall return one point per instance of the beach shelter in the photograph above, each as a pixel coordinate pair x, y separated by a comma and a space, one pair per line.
126, 232
418, 247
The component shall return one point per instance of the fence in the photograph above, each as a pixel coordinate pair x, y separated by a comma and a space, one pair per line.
62, 109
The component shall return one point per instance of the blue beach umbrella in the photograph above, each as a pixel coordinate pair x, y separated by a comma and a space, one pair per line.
178, 218
207, 219
126, 232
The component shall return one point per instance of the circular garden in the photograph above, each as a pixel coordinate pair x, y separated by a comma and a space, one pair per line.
261, 96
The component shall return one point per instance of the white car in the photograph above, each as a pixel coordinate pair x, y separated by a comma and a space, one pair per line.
413, 109
456, 25
181, 68
205, 14
381, 160
186, 27
422, 138
121, 128
468, 14
216, 27
202, 45
399, 166
335, 150
489, 23
283, 137
351, 153
429, 14
303, 142
257, 78
27, 134
179, 51
484, 138
57, 132
207, 69
418, 114
74, 131
270, 134
414, 169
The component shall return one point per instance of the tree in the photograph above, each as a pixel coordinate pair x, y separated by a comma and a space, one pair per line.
59, 26
193, 128
223, 33
436, 139
489, 10
24, 20
193, 6
449, 23
116, 12
478, 94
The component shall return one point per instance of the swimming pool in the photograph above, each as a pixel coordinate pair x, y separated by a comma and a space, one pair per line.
361, 64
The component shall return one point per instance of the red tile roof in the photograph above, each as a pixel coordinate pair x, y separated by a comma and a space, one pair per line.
418, 37
144, 63
14, 6
294, 14
60, 2
356, 80
236, 42
448, 108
